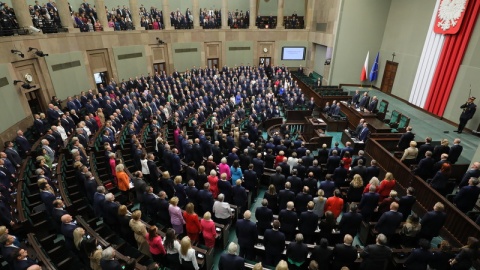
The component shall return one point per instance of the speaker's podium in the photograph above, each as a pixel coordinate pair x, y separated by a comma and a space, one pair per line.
313, 127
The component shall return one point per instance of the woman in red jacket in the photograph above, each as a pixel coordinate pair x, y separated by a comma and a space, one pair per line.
386, 186
156, 245
208, 230
192, 222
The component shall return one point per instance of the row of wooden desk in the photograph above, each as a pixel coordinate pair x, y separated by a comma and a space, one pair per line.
354, 115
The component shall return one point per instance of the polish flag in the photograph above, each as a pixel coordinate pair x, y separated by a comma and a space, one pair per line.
363, 75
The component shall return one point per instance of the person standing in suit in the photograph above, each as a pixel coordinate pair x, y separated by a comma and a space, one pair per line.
47, 197
372, 106
389, 221
240, 196
205, 198
356, 97
332, 162
369, 202
432, 222
67, 228
362, 136
247, 235
469, 109
110, 213
455, 151
308, 223
22, 261
108, 261
406, 138
230, 261
297, 253
99, 201
264, 217
376, 256
467, 197
420, 257
425, 166
344, 255
23, 144
406, 203
302, 199
350, 222
13, 155
424, 148
58, 212
474, 171
364, 100
274, 242
289, 220
278, 179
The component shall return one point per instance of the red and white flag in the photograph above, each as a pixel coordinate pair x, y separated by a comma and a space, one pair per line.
363, 75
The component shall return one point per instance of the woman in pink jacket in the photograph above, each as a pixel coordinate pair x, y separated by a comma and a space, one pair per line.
208, 230
224, 168
176, 217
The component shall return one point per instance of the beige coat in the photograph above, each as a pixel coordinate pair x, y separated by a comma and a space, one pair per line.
140, 231
410, 153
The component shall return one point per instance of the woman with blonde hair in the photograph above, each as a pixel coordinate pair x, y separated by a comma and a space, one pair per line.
188, 258
93, 252
140, 231
213, 181
355, 190
373, 182
208, 230
201, 177
410, 231
192, 222
282, 265
180, 191
101, 117
319, 202
410, 154
176, 217
78, 235
386, 186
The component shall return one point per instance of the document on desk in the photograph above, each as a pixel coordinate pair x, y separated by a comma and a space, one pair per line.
320, 120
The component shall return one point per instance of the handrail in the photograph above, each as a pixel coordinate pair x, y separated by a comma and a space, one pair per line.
41, 256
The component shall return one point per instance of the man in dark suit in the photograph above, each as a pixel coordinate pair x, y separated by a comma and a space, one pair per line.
230, 261
110, 213
420, 257
250, 180
154, 173
474, 171
90, 186
302, 199
406, 203
239, 195
332, 162
469, 109
308, 223
376, 256
22, 261
99, 201
278, 179
58, 212
424, 148
274, 242
108, 261
247, 235
8, 248
372, 106
350, 222
362, 136
406, 138
289, 220
316, 169
192, 192
205, 198
23, 144
361, 170
258, 165
356, 97
389, 221
348, 148
425, 169
344, 254
373, 170
467, 197
264, 217
47, 197
328, 186
433, 221
140, 187
12, 154
455, 151
307, 160
368, 203
285, 196
67, 228
364, 100
295, 181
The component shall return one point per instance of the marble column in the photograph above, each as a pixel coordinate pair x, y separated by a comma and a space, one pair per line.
196, 14
308, 21
166, 15
102, 14
134, 10
65, 16
225, 14
21, 13
281, 4
253, 14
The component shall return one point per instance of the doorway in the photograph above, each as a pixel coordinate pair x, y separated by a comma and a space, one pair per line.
101, 78
265, 61
212, 63
157, 67
389, 77
34, 101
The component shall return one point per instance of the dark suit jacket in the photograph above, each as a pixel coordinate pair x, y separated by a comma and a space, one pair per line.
23, 145
432, 222
343, 255
246, 233
423, 149
405, 140
350, 223
425, 168
13, 156
308, 223
332, 163
239, 196
192, 193
368, 204
206, 200
264, 217
297, 252
278, 180
322, 256
57, 215
467, 198
285, 196
23, 264
362, 170
98, 204
375, 257
328, 187
110, 213
389, 222
405, 205
301, 201
110, 265
274, 242
455, 152
47, 199
418, 259
231, 262
288, 220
